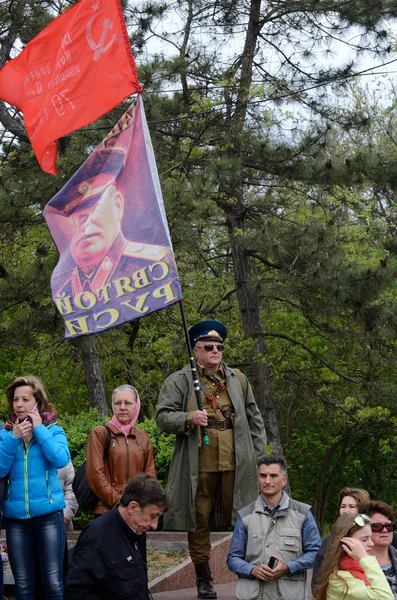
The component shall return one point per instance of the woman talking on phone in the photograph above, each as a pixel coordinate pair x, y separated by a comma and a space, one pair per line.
32, 449
348, 572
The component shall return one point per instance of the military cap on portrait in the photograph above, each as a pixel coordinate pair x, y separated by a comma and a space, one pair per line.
101, 170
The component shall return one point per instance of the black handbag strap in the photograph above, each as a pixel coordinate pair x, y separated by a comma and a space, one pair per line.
107, 443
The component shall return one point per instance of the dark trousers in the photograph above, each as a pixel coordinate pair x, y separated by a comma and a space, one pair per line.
199, 539
39, 593
44, 535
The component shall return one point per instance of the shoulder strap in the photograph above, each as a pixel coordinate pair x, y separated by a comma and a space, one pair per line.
206, 393
242, 380
107, 443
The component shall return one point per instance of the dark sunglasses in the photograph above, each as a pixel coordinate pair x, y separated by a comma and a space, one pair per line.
210, 347
379, 527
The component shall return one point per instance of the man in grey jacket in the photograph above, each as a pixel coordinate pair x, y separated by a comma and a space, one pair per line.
275, 539
236, 440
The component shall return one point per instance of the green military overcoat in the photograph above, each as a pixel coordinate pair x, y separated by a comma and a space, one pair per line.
176, 399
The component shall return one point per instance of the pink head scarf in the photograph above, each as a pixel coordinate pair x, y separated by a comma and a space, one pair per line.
126, 428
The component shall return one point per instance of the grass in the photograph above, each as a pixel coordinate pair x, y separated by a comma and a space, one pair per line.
159, 562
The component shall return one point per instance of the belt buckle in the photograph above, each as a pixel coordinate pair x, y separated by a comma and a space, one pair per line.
223, 428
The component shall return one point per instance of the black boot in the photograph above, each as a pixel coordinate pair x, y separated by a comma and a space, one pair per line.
205, 589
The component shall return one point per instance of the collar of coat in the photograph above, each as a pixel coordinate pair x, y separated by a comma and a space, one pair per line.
116, 431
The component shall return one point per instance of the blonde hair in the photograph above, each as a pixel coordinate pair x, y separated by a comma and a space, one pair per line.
39, 392
345, 526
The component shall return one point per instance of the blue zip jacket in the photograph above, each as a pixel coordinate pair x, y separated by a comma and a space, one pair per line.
33, 487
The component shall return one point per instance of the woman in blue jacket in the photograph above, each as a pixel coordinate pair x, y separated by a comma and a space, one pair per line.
32, 449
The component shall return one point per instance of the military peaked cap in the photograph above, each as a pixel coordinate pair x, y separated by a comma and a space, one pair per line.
207, 330
101, 169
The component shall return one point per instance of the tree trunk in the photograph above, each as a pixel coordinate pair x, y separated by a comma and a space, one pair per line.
249, 310
248, 303
327, 475
92, 369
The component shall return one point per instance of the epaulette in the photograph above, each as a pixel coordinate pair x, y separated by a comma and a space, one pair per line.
145, 251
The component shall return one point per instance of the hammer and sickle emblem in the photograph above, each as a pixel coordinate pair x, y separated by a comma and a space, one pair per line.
100, 47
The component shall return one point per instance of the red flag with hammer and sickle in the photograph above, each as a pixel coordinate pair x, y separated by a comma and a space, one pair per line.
77, 69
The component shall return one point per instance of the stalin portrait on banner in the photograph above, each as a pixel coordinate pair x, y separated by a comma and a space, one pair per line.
103, 278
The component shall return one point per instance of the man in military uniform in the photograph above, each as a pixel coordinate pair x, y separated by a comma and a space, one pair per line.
99, 252
228, 463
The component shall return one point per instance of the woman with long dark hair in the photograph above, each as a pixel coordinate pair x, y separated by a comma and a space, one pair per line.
348, 572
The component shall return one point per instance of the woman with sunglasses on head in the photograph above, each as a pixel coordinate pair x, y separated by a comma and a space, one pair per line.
350, 501
382, 518
348, 572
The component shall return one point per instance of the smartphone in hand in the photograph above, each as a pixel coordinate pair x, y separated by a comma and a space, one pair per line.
271, 563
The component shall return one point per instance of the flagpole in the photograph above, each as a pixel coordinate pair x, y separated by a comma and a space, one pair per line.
196, 383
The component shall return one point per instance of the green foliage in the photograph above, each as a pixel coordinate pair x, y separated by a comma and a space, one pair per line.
163, 447
281, 163
77, 428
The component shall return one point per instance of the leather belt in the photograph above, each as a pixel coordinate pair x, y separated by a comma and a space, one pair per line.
220, 425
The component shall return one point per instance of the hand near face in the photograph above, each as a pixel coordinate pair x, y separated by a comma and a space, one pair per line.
35, 418
22, 430
353, 548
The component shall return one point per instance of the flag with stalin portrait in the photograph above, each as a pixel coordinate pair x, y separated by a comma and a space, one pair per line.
108, 222
75, 70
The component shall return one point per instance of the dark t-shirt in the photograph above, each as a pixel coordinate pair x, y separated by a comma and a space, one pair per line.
391, 577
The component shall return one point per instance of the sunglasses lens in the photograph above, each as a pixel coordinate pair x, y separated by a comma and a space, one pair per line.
379, 527
210, 347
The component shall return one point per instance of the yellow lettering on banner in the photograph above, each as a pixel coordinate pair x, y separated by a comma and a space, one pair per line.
163, 265
140, 305
89, 296
123, 286
64, 305
113, 314
140, 278
165, 291
78, 326
105, 290
125, 121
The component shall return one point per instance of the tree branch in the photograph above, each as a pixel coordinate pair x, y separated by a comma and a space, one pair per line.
316, 356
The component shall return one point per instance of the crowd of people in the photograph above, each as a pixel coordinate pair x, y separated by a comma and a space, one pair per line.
275, 539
